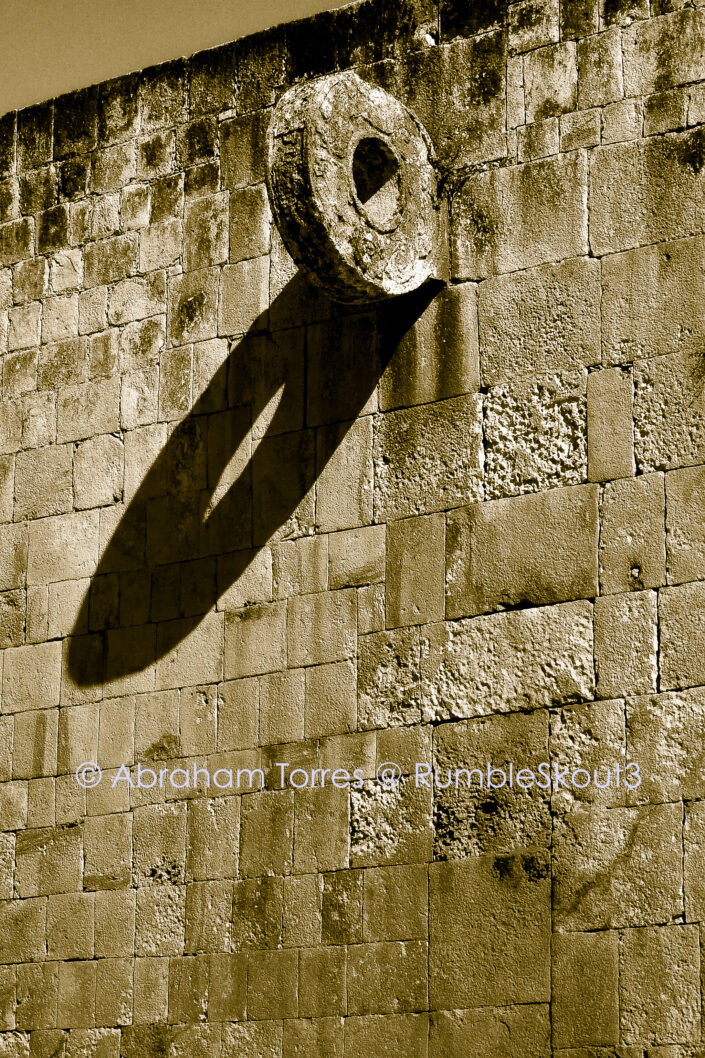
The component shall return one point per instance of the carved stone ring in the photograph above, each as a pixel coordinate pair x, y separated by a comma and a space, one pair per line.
353, 188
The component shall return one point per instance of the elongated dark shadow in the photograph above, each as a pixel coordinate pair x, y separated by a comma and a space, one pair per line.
186, 536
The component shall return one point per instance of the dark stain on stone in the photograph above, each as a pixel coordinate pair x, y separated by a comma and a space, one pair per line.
75, 122
511, 867
191, 309
73, 177
690, 150
486, 81
459, 19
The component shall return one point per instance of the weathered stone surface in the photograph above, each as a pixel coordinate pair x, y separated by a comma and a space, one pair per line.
487, 1032
428, 459
542, 319
590, 737
626, 644
664, 737
390, 825
632, 544
617, 867
585, 989
535, 434
659, 984
512, 218
610, 424
527, 659
682, 635
490, 931
539, 549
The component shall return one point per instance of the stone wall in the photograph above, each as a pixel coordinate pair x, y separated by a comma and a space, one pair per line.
243, 526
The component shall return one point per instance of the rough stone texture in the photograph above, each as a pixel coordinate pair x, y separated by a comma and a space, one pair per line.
242, 525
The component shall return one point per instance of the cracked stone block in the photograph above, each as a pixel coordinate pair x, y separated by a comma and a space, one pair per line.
490, 931
536, 434
617, 867
490, 811
526, 659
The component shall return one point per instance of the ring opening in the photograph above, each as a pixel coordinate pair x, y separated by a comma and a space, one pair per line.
376, 176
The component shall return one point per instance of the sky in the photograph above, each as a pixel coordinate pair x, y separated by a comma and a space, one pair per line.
52, 46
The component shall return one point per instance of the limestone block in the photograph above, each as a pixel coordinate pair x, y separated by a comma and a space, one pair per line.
227, 994
437, 357
610, 424
356, 557
255, 640
387, 978
318, 1035
322, 627
585, 989
300, 566
396, 903
103, 354
535, 434
29, 280
31, 677
206, 232
331, 699
34, 744
517, 217
471, 818
390, 825
415, 571
664, 52
531, 26
159, 920
70, 926
272, 984
538, 140
659, 984
342, 907
78, 736
62, 364
257, 913
617, 867
209, 907
632, 539
694, 859
370, 608
92, 408
302, 917
490, 931
271, 812
49, 861
488, 1032
281, 707
321, 830
385, 1035
664, 735
114, 992
37, 995
685, 525
188, 988
107, 843
651, 300
389, 676
23, 934
13, 805
600, 69
160, 244
345, 475
244, 297
540, 548
550, 81
111, 260
12, 619
250, 223
526, 659
682, 636
43, 483
322, 982
193, 306
13, 555
159, 844
541, 319
213, 831
77, 992
628, 179
60, 318
19, 373
263, 1038
98, 471
24, 326
198, 657
16, 240
428, 458
626, 644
